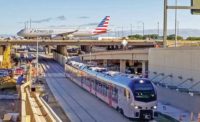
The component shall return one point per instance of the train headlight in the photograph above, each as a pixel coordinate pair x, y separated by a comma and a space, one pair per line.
136, 107
155, 107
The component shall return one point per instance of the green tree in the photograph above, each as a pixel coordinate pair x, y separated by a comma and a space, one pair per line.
135, 37
193, 38
172, 37
151, 36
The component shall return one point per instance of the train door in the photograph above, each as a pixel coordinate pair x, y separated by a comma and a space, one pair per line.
91, 82
127, 101
110, 88
95, 87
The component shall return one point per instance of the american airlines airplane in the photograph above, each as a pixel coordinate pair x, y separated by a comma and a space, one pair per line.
30, 33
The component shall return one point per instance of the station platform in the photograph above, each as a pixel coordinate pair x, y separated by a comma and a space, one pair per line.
176, 113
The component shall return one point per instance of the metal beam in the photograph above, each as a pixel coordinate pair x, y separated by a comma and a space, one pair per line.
183, 7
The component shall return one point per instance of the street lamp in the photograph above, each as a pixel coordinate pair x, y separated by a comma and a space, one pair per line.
158, 29
122, 31
176, 2
37, 59
90, 54
131, 29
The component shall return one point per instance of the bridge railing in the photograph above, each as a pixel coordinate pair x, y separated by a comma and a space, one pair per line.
34, 108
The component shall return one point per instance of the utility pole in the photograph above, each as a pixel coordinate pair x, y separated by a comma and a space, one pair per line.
37, 58
30, 23
195, 9
178, 27
165, 25
25, 25
122, 31
143, 28
131, 29
158, 29
176, 2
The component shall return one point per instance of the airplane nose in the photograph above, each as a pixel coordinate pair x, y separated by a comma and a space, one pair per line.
20, 33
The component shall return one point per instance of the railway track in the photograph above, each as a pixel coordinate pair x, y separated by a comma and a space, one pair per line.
82, 114
55, 76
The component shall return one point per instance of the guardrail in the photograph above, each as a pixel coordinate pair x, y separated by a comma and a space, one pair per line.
136, 54
34, 108
76, 42
25, 117
55, 116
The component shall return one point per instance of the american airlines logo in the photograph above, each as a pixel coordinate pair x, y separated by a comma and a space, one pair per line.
42, 31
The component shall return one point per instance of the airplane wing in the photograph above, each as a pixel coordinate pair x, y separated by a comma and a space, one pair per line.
67, 33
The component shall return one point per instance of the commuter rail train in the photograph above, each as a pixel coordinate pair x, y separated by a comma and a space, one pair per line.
131, 96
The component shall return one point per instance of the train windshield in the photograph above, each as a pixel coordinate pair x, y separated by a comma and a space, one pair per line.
143, 90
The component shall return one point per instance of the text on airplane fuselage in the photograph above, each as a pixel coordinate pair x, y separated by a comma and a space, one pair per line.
42, 31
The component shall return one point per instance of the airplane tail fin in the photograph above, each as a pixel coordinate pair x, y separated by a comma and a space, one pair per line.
103, 26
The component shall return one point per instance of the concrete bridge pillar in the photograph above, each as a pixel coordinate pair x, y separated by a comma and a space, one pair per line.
122, 66
144, 67
58, 48
47, 49
131, 62
86, 48
62, 49
105, 63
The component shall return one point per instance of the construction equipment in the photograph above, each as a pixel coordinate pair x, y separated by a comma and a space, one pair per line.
6, 80
6, 63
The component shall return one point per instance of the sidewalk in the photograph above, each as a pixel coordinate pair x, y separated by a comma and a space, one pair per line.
178, 114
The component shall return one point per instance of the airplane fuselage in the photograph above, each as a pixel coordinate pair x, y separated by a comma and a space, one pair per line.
50, 32
61, 32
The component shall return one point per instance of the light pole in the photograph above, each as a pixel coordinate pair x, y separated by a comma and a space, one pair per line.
158, 29
131, 29
115, 32
122, 31
178, 27
37, 59
176, 2
90, 54
165, 25
143, 28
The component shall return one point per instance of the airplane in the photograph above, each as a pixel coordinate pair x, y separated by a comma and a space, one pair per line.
31, 33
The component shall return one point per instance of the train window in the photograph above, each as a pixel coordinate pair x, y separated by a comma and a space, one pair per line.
127, 93
115, 94
124, 92
104, 90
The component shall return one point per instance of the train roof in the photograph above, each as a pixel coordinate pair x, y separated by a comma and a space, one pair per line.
114, 77
110, 76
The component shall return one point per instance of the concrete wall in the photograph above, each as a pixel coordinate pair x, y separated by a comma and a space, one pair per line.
60, 58
179, 62
181, 100
137, 54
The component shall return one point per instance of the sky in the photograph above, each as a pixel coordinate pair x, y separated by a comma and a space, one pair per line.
87, 13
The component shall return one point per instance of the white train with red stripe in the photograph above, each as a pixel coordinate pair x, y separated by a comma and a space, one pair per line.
133, 97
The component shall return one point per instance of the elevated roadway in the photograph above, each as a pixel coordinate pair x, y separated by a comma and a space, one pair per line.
77, 42
137, 54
